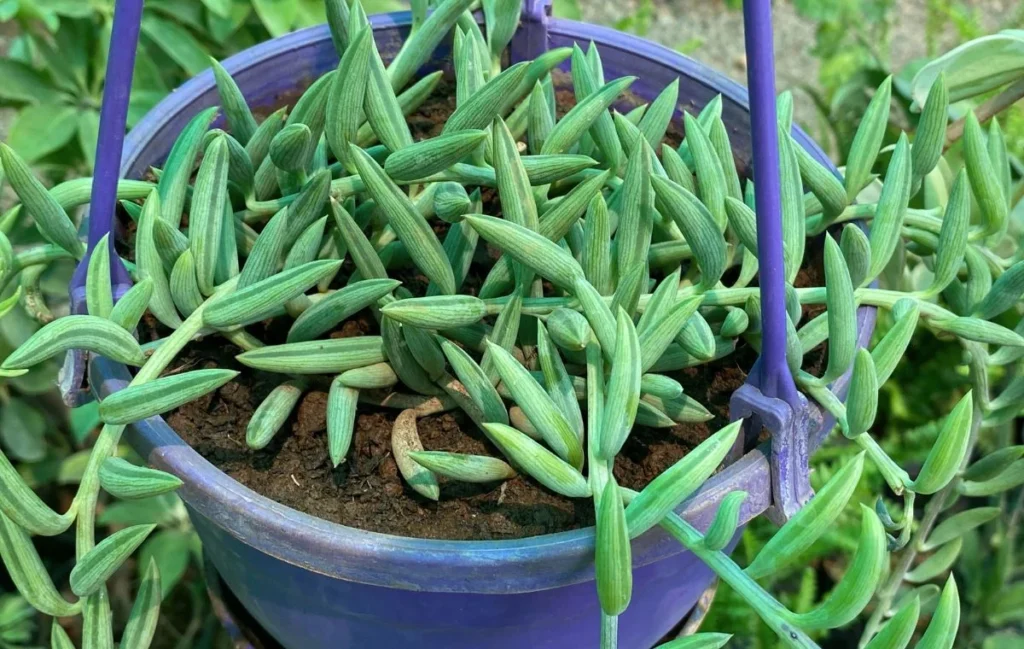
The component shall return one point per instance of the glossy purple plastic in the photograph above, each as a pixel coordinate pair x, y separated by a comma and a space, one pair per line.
317, 585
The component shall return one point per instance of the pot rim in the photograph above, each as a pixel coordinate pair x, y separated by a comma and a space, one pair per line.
352, 554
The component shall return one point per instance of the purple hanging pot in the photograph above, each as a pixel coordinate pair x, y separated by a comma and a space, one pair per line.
318, 585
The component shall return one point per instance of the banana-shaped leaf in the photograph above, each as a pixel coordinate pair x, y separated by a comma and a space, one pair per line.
464, 468
868, 141
891, 210
93, 569
174, 182
659, 115
623, 394
59, 637
597, 250
585, 83
371, 377
97, 621
953, 235
811, 522
898, 631
258, 147
661, 334
660, 386
993, 464
383, 110
1010, 478
569, 330
584, 115
431, 156
529, 248
723, 527
539, 407
959, 524
145, 613
856, 251
517, 201
272, 413
947, 453
236, 110
402, 360
485, 104
137, 402
699, 641
451, 202
820, 181
557, 380
938, 563
743, 222
676, 483
99, 296
842, 312
91, 333
988, 190
636, 201
50, 218
1005, 293
411, 227
28, 573
260, 300
931, 128
546, 467
342, 403
133, 304
125, 480
476, 382
710, 177
316, 356
890, 349
347, 94
425, 349
184, 285
942, 630
862, 398
613, 565
698, 226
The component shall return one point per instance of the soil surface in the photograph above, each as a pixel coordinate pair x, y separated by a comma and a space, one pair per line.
367, 490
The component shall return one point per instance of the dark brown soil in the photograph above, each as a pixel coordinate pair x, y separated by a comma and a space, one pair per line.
366, 491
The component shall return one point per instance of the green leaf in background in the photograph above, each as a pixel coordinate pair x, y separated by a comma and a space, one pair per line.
974, 68
22, 431
170, 550
568, 9
22, 83
42, 129
221, 8
222, 28
277, 16
177, 42
88, 134
84, 420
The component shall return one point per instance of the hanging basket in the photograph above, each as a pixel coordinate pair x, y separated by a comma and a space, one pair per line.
316, 585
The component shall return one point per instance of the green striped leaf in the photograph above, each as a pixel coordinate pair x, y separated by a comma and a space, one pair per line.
145, 614
660, 302
27, 572
132, 305
891, 210
676, 169
184, 286
292, 148
585, 83
49, 217
584, 115
1010, 478
558, 433
613, 564
677, 482
660, 335
719, 138
821, 181
87, 332
59, 637
735, 324
258, 146
261, 300
557, 380
383, 110
698, 641
363, 254
128, 481
980, 331
425, 349
698, 226
451, 202
93, 569
696, 338
371, 377
660, 386
569, 330
137, 402
402, 360
984, 177
743, 222
957, 525
1000, 158
543, 465
421, 45
339, 306
936, 564
659, 115
174, 182
464, 468
993, 464
502, 20
169, 241
862, 398
634, 228
597, 251
431, 156
723, 527
868, 141
517, 201
842, 312
890, 349
947, 453
477, 383
529, 248
857, 253
346, 96
710, 177
931, 128
411, 227
623, 394
1005, 293
858, 584
480, 110
272, 412
794, 223
236, 110
342, 406
99, 296
207, 213
97, 622
317, 356
307, 246
811, 522
540, 119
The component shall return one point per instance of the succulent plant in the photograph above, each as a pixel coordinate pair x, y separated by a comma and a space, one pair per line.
570, 325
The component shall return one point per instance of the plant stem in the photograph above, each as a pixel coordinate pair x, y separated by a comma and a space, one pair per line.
932, 511
609, 631
987, 111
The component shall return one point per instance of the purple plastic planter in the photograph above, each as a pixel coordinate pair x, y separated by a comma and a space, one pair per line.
317, 585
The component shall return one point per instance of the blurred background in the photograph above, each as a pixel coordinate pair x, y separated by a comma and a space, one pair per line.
830, 53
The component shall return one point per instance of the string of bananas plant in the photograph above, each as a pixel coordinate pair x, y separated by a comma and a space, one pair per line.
570, 325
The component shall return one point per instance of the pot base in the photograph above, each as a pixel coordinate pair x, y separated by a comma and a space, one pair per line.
246, 633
